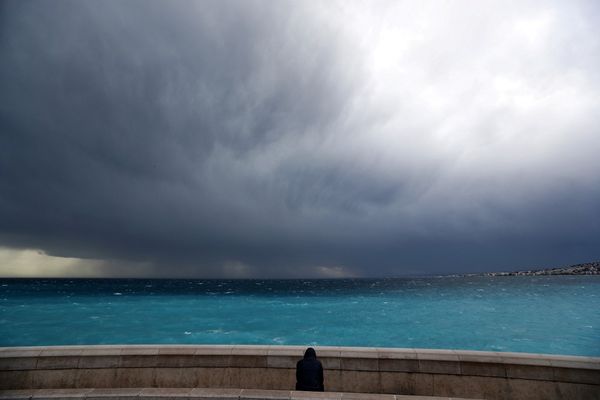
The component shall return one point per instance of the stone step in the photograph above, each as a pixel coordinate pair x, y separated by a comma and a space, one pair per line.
197, 394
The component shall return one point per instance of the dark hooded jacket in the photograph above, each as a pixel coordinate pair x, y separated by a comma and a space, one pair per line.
309, 372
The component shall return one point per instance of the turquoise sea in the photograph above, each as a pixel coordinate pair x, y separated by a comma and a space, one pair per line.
552, 314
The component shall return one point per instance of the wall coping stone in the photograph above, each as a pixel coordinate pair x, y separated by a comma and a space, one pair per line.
530, 359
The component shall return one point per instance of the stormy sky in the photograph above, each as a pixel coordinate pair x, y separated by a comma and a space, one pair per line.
297, 138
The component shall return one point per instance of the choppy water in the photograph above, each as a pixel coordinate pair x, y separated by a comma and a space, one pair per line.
531, 314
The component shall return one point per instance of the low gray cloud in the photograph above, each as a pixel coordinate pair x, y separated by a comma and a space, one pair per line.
291, 139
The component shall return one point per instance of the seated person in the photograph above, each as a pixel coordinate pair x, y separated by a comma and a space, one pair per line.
309, 372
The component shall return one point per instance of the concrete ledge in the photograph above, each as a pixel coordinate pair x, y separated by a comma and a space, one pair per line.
197, 394
359, 370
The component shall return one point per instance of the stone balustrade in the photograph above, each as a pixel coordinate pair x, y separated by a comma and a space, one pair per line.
468, 374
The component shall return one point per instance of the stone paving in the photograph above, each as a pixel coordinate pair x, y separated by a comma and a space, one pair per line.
197, 394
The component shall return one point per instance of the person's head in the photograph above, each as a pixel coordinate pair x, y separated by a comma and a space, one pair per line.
310, 353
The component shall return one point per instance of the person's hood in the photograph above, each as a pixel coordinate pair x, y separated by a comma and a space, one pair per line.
310, 353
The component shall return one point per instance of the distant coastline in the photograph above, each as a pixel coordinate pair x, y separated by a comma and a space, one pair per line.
591, 268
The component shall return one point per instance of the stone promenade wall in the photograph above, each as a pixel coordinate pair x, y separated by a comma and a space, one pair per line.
468, 374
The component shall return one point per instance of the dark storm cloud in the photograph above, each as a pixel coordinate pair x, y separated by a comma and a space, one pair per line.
273, 139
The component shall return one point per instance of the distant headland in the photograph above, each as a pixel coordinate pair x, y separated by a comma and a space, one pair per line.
591, 268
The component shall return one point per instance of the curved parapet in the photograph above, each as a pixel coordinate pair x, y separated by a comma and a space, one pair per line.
468, 374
